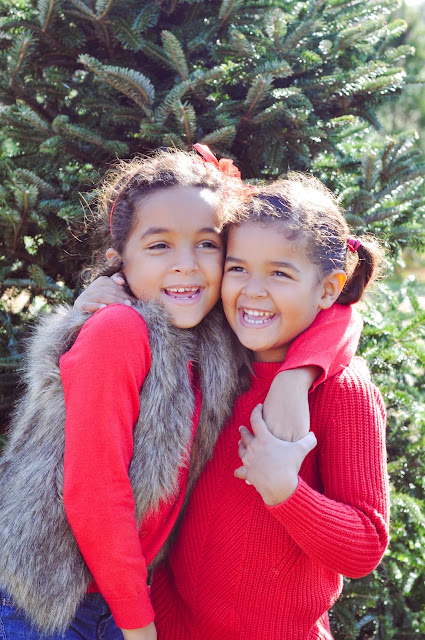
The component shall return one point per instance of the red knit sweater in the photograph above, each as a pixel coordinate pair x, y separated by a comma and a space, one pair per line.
243, 571
102, 375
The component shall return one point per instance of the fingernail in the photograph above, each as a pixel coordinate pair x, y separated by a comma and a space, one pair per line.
128, 303
102, 306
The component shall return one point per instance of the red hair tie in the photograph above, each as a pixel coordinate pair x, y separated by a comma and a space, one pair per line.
353, 244
112, 213
225, 165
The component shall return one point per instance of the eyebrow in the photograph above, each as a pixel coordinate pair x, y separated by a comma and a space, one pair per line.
274, 263
152, 231
285, 265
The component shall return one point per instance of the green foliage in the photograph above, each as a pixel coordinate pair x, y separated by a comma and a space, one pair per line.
276, 85
390, 603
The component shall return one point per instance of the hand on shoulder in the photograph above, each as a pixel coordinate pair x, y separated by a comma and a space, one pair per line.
102, 292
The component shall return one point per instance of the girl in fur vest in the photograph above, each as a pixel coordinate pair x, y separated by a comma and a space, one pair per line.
263, 546
97, 463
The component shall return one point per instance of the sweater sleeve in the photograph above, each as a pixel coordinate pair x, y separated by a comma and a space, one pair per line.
102, 375
329, 343
345, 528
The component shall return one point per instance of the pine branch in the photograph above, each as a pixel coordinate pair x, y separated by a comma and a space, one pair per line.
278, 68
156, 53
256, 93
46, 9
186, 119
84, 9
18, 53
131, 83
62, 127
127, 35
147, 18
300, 32
172, 97
370, 170
276, 26
223, 137
42, 185
175, 53
227, 8
103, 7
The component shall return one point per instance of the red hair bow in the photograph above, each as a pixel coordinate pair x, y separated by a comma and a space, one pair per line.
225, 165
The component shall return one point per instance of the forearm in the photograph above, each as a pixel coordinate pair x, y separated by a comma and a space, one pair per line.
343, 538
329, 343
285, 408
143, 633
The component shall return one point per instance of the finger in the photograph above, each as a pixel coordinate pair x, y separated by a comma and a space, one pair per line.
91, 307
246, 435
240, 473
113, 297
259, 427
241, 449
118, 278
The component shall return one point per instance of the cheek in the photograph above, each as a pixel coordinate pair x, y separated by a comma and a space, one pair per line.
214, 269
228, 292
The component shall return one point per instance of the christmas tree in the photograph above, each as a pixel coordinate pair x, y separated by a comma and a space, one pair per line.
276, 86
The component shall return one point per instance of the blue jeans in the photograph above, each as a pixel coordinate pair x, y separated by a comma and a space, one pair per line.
93, 621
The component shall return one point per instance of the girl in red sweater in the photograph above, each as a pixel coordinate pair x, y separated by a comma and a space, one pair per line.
265, 558
97, 464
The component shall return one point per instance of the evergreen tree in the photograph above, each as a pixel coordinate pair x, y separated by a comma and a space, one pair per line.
275, 85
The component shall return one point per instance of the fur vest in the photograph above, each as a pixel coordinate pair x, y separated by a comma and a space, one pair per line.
41, 566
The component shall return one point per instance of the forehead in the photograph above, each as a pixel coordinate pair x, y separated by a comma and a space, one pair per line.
195, 201
273, 236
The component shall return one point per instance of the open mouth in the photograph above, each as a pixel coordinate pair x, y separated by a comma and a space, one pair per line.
252, 317
182, 293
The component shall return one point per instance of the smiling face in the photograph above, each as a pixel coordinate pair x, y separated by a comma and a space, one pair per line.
271, 291
174, 253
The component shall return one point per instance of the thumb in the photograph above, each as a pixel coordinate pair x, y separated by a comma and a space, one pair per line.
258, 425
307, 443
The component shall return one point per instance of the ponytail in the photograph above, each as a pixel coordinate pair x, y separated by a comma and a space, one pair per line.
368, 266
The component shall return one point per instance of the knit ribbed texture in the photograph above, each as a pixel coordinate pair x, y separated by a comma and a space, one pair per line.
243, 571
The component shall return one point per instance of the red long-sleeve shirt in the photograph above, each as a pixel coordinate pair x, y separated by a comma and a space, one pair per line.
102, 375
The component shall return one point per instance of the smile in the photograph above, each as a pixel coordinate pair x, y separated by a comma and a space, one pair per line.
253, 317
183, 293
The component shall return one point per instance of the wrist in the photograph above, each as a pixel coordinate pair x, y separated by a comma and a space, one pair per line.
303, 377
280, 494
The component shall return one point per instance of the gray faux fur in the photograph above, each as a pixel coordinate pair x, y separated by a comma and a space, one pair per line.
40, 564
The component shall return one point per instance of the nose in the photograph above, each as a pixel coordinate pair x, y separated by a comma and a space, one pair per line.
255, 288
186, 261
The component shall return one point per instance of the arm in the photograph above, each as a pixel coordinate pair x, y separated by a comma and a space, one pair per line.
145, 633
324, 349
285, 408
345, 528
329, 343
102, 375
101, 292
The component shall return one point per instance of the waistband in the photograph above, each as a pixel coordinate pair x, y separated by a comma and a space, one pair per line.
5, 599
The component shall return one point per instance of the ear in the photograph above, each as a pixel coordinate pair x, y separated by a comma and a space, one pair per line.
112, 256
332, 285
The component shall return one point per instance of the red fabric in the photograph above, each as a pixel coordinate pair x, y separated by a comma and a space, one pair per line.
329, 343
240, 570
102, 375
